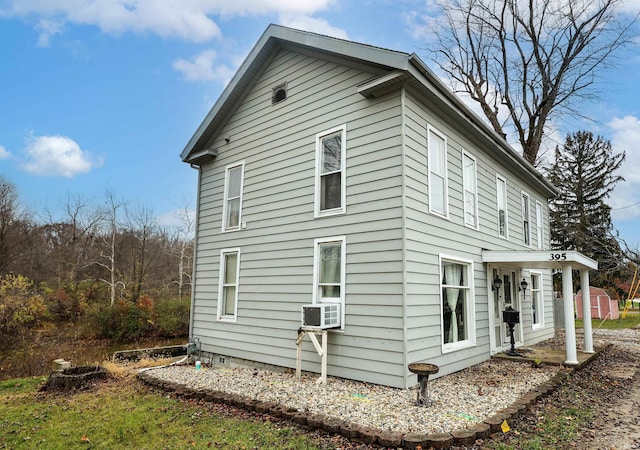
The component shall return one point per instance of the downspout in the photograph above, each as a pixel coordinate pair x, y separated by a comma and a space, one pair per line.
195, 253
405, 356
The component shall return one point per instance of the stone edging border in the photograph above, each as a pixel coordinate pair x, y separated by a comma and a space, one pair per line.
368, 435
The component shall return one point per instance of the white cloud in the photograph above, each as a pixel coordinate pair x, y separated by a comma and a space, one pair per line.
625, 200
47, 28
178, 219
312, 24
58, 156
190, 21
4, 153
201, 68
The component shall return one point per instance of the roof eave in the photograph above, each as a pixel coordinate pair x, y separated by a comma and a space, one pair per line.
273, 37
474, 120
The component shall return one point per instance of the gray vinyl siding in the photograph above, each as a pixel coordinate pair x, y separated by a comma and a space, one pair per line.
277, 145
393, 299
429, 235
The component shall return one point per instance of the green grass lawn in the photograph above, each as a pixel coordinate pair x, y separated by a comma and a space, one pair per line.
123, 414
631, 320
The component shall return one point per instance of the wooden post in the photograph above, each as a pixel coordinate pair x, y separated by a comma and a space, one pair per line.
321, 349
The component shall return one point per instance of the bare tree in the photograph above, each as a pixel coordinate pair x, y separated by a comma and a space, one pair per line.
181, 247
10, 218
73, 239
142, 228
108, 238
536, 59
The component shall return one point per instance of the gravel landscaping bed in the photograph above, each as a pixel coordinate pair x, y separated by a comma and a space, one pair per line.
460, 400
467, 405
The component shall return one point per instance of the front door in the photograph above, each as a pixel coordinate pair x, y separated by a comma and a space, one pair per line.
503, 296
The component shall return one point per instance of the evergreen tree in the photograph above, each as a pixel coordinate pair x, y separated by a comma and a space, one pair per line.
585, 173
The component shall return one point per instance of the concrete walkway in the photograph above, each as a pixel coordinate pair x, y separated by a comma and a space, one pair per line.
547, 355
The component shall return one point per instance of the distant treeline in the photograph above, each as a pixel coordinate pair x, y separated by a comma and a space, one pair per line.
111, 260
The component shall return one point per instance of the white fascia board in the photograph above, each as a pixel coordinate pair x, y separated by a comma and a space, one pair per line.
551, 259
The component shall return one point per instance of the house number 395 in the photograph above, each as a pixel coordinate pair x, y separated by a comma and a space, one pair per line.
558, 256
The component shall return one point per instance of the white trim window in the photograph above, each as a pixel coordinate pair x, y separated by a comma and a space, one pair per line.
526, 219
330, 192
329, 270
228, 284
539, 229
437, 162
470, 185
537, 303
457, 308
232, 206
501, 207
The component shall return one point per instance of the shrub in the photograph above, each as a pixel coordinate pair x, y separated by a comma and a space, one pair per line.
21, 306
127, 321
172, 317
124, 321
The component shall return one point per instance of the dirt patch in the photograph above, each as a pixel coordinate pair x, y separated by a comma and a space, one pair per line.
609, 387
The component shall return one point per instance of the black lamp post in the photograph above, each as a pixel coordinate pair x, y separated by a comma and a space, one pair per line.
511, 317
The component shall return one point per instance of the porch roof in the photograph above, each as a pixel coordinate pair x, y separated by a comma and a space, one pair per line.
546, 259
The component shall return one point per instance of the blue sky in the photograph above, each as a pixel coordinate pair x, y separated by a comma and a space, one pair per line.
105, 94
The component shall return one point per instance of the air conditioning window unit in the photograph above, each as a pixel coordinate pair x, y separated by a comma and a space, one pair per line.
321, 316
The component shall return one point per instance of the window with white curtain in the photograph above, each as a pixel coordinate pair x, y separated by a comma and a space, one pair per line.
537, 304
470, 191
330, 196
437, 161
232, 207
329, 268
458, 321
228, 284
501, 206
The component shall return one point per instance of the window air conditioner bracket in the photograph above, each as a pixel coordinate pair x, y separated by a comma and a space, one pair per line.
320, 348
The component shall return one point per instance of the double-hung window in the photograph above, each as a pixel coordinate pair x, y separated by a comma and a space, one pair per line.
537, 305
458, 321
228, 285
330, 196
329, 270
470, 191
437, 161
232, 207
526, 219
539, 229
501, 206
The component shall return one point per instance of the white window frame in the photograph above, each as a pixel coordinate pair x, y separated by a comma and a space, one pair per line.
466, 156
222, 285
503, 191
526, 218
316, 297
470, 305
343, 173
432, 173
539, 300
539, 226
225, 205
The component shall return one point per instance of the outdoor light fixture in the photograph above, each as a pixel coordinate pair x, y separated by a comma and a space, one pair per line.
497, 284
523, 286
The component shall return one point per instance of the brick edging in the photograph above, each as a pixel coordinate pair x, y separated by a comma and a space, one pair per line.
364, 434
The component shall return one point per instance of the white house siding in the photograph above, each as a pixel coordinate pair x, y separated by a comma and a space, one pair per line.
277, 145
429, 235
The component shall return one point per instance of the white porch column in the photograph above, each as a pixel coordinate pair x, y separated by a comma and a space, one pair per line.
586, 311
569, 324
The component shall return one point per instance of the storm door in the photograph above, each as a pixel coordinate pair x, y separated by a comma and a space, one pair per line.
505, 293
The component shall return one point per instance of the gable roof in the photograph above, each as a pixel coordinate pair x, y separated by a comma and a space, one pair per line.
397, 68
